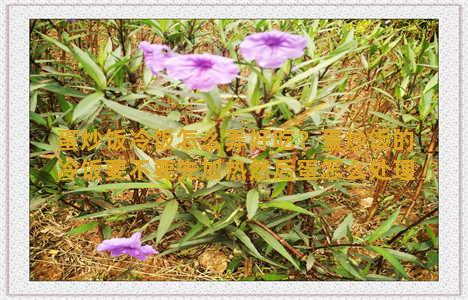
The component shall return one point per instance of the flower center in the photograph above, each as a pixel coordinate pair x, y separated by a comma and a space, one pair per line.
203, 63
273, 41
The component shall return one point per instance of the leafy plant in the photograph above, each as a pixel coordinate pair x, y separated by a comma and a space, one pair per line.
353, 74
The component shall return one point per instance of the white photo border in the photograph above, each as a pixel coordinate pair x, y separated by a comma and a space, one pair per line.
450, 277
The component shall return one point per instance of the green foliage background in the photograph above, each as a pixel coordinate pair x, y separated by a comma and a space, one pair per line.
355, 74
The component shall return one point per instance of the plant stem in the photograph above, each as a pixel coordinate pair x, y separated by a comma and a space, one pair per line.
419, 221
296, 252
430, 153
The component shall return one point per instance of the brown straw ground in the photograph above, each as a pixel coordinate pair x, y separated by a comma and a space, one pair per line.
57, 256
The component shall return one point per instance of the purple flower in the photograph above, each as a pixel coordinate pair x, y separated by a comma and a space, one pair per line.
271, 49
155, 56
130, 246
201, 71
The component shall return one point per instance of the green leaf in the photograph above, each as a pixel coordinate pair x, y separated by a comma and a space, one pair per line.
251, 247
378, 277
177, 246
43, 146
383, 228
291, 102
167, 216
117, 186
432, 258
195, 229
387, 118
310, 262
404, 256
90, 67
147, 76
279, 188
310, 91
106, 232
252, 203
425, 104
83, 228
145, 118
246, 241
65, 106
342, 259
201, 217
220, 224
36, 118
285, 205
135, 62
433, 82
391, 259
54, 42
434, 238
270, 240
121, 210
33, 101
303, 196
275, 277
104, 51
213, 101
411, 56
343, 228
253, 93
87, 106
327, 90
408, 118
61, 90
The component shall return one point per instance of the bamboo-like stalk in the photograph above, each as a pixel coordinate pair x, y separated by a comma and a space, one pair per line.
381, 185
296, 252
422, 176
294, 160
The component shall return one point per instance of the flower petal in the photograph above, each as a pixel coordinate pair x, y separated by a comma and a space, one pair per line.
271, 49
155, 56
201, 71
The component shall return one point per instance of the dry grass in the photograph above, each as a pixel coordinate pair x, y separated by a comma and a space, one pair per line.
57, 256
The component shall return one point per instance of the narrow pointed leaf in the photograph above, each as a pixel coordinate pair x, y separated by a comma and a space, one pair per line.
143, 117
270, 240
285, 205
303, 196
87, 106
83, 228
383, 228
90, 67
167, 217
252, 203
343, 228
342, 259
121, 210
391, 259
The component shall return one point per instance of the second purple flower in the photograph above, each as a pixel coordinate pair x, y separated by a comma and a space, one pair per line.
201, 71
271, 49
